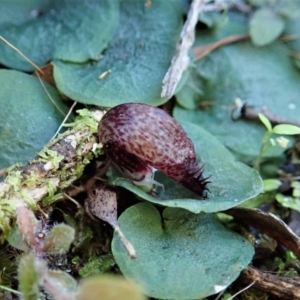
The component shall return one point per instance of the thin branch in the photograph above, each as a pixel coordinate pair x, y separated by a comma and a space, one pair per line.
21, 54
241, 291
181, 60
248, 112
50, 98
202, 51
281, 287
128, 246
64, 120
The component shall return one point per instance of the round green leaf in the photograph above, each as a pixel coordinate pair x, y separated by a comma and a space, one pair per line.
179, 255
29, 118
232, 182
262, 77
70, 30
265, 26
134, 64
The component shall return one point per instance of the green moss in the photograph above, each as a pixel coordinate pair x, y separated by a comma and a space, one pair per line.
97, 265
84, 129
7, 213
51, 188
14, 180
47, 155
51, 199
28, 199
33, 180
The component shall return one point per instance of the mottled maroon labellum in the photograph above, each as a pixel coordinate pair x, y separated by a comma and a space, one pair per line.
140, 138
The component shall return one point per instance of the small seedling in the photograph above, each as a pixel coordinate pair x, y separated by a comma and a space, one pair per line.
268, 142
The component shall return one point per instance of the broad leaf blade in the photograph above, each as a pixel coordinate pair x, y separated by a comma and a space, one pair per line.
71, 30
29, 118
262, 77
185, 256
134, 64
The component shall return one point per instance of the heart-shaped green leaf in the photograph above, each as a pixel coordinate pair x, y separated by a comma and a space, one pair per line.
29, 118
71, 30
262, 77
232, 182
179, 255
134, 64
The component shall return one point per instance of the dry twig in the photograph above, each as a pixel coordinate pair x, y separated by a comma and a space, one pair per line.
202, 51
248, 112
281, 287
181, 60
22, 55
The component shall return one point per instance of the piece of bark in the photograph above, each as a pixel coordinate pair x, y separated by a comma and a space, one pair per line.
54, 168
281, 287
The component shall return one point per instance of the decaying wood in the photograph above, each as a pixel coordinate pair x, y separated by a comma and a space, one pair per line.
281, 287
54, 168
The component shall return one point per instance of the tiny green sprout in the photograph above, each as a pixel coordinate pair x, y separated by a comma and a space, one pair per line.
290, 256
268, 142
59, 239
265, 121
